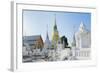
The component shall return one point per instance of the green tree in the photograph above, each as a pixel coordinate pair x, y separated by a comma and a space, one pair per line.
64, 41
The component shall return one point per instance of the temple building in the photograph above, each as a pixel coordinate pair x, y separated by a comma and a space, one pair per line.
81, 43
33, 41
83, 37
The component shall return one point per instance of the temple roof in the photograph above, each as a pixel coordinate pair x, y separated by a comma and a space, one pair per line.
31, 39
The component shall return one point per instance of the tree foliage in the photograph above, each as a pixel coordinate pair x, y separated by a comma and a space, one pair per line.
64, 41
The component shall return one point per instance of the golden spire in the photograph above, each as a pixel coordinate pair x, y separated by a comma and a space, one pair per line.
55, 36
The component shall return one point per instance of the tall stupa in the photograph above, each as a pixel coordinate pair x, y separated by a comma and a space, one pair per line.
47, 43
83, 37
55, 36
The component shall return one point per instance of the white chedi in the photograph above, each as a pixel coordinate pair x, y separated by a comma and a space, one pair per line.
81, 44
83, 37
47, 43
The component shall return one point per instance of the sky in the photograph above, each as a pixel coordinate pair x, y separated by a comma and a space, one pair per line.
39, 22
